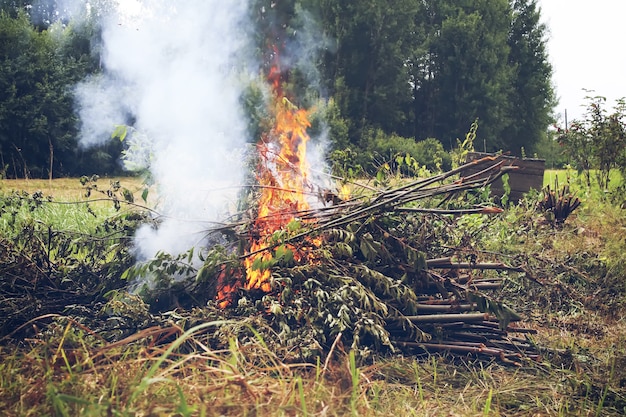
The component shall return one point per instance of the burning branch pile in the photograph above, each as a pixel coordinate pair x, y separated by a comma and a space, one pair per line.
378, 272
374, 271
386, 270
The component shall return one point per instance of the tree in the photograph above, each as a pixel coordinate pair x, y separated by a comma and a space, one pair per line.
37, 122
411, 68
366, 72
598, 141
532, 98
460, 71
429, 68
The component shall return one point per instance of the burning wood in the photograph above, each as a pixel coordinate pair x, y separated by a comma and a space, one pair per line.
282, 173
360, 266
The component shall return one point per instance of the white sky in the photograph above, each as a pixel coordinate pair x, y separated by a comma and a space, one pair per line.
132, 7
586, 46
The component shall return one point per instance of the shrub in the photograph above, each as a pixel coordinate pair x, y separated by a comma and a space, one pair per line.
598, 142
558, 203
427, 153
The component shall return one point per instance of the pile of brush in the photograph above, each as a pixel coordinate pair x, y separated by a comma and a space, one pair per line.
385, 271
391, 270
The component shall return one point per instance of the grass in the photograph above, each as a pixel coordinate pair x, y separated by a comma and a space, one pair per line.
579, 311
67, 189
578, 181
66, 195
142, 380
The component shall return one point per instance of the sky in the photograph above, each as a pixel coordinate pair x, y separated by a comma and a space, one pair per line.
586, 48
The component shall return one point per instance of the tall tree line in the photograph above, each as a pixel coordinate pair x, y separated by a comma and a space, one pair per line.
40, 62
414, 69
429, 68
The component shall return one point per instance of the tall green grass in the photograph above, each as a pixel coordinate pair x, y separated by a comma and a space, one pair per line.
64, 206
578, 182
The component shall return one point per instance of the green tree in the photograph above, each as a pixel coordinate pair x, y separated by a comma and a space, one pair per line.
37, 121
430, 68
366, 72
460, 69
532, 98
598, 141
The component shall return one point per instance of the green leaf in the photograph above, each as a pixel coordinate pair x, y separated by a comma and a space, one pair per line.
258, 264
380, 176
128, 195
120, 132
184, 409
294, 226
284, 255
370, 248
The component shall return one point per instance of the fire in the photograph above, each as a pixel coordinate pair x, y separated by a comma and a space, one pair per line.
282, 177
344, 192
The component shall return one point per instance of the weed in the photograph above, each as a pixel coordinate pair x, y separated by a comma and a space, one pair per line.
487, 408
558, 204
354, 374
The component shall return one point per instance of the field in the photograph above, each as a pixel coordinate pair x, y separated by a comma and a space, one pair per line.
576, 300
67, 189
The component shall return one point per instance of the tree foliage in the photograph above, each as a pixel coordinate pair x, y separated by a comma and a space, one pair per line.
366, 72
533, 98
38, 126
409, 69
597, 142
35, 112
471, 78
430, 68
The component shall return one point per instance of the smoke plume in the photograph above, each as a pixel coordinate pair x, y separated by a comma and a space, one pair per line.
172, 67
176, 71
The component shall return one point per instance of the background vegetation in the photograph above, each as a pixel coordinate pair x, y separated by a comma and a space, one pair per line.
403, 79
403, 69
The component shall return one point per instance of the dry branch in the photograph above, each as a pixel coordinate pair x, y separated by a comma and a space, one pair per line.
448, 318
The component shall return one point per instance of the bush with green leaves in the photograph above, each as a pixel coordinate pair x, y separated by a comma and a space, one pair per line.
428, 153
597, 143
55, 257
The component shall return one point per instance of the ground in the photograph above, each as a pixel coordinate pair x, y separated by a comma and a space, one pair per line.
575, 299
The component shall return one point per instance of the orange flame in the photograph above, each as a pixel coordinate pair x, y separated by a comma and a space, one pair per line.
344, 192
282, 176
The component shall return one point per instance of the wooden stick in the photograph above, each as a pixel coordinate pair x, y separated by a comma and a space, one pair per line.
470, 265
448, 318
479, 210
437, 308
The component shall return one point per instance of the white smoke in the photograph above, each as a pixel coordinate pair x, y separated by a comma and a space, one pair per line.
171, 67
176, 71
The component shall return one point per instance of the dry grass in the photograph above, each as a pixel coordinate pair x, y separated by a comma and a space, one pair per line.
68, 376
67, 189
